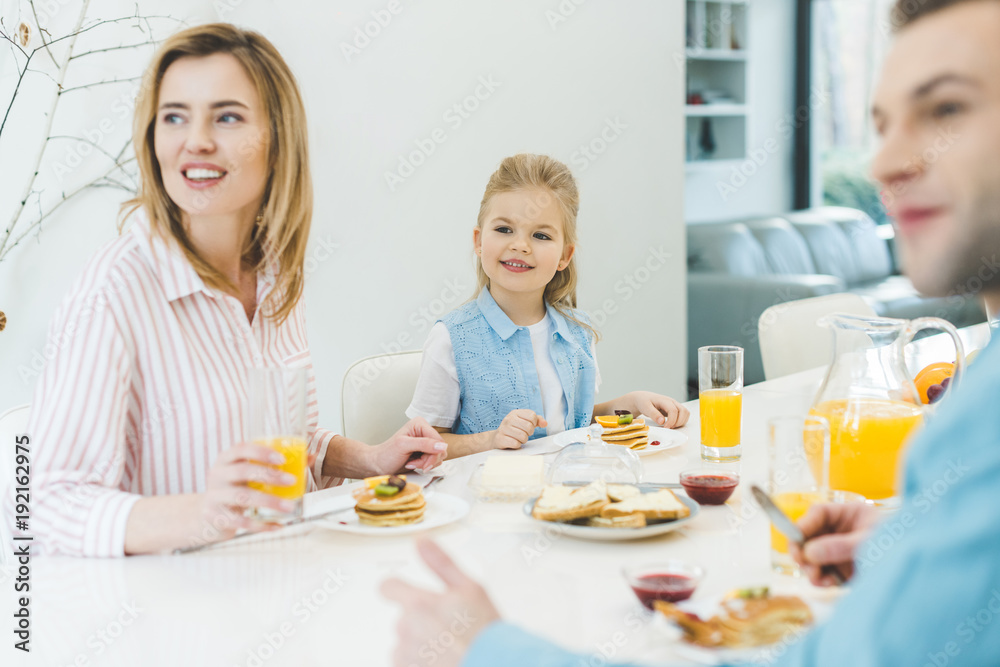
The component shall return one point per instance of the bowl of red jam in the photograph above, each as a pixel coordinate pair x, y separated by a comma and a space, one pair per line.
709, 487
670, 581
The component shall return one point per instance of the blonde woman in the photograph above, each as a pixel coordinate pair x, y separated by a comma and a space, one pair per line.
138, 421
518, 362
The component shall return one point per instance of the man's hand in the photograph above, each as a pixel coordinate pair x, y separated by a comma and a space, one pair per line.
833, 532
667, 412
443, 624
416, 446
516, 428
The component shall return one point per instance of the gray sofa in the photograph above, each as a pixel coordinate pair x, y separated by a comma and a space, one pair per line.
738, 269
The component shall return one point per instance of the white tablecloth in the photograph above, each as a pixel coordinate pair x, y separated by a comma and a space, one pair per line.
310, 597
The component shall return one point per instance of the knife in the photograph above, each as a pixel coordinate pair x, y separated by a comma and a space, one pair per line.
786, 526
294, 522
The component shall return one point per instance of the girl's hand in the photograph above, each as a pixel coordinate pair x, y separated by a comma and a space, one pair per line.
416, 446
666, 411
227, 495
516, 428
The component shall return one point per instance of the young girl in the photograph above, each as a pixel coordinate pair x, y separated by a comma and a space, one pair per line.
518, 362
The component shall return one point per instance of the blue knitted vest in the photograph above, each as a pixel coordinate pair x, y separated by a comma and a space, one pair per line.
496, 366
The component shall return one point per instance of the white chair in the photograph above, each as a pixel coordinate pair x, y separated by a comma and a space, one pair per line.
375, 394
13, 423
790, 340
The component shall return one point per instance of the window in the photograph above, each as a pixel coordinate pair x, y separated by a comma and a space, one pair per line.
850, 39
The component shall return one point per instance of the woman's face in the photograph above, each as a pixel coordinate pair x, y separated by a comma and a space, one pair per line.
211, 137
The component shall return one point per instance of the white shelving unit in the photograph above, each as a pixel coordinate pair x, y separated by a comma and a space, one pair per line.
717, 95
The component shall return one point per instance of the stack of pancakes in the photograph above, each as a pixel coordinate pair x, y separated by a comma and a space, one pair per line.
405, 507
633, 436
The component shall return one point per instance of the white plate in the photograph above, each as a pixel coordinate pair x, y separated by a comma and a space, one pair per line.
441, 510
767, 654
617, 534
669, 439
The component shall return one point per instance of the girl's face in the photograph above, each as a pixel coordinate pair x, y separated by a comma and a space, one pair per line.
211, 137
521, 244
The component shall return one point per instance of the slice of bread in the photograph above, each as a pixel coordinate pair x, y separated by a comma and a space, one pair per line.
619, 492
566, 503
662, 504
634, 520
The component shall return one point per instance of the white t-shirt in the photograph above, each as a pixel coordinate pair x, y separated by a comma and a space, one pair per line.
438, 395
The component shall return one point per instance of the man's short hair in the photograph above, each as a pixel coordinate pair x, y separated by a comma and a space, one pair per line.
906, 12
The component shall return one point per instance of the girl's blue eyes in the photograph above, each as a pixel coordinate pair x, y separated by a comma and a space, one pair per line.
538, 235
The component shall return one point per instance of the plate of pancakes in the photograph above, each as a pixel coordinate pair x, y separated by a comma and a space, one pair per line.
638, 436
405, 512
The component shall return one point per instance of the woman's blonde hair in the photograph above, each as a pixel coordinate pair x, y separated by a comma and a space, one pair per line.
280, 235
551, 178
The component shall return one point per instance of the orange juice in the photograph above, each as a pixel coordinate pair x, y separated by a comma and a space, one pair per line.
795, 504
866, 438
720, 417
294, 450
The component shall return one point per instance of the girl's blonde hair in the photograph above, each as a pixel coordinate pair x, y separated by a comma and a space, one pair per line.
281, 232
551, 178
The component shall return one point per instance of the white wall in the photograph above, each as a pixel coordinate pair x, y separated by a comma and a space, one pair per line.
384, 263
771, 77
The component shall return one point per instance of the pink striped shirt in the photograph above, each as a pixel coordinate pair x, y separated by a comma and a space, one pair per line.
147, 387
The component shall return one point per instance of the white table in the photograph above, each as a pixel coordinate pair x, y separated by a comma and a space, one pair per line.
311, 598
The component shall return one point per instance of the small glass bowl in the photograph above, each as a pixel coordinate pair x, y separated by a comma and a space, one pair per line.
669, 580
709, 486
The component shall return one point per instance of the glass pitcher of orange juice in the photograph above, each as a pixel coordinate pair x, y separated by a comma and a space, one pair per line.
871, 402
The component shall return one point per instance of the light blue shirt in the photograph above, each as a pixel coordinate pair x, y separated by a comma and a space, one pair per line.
927, 591
495, 363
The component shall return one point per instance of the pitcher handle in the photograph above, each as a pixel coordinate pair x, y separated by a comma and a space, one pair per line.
943, 325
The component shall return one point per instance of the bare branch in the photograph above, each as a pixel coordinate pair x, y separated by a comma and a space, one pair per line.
99, 83
117, 48
41, 33
5, 248
120, 165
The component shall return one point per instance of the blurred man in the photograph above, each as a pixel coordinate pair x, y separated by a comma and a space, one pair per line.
926, 586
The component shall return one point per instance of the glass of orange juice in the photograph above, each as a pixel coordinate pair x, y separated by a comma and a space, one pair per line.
278, 421
720, 399
798, 470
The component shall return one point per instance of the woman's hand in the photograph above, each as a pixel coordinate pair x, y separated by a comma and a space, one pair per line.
516, 428
416, 446
459, 614
666, 411
227, 495
833, 532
